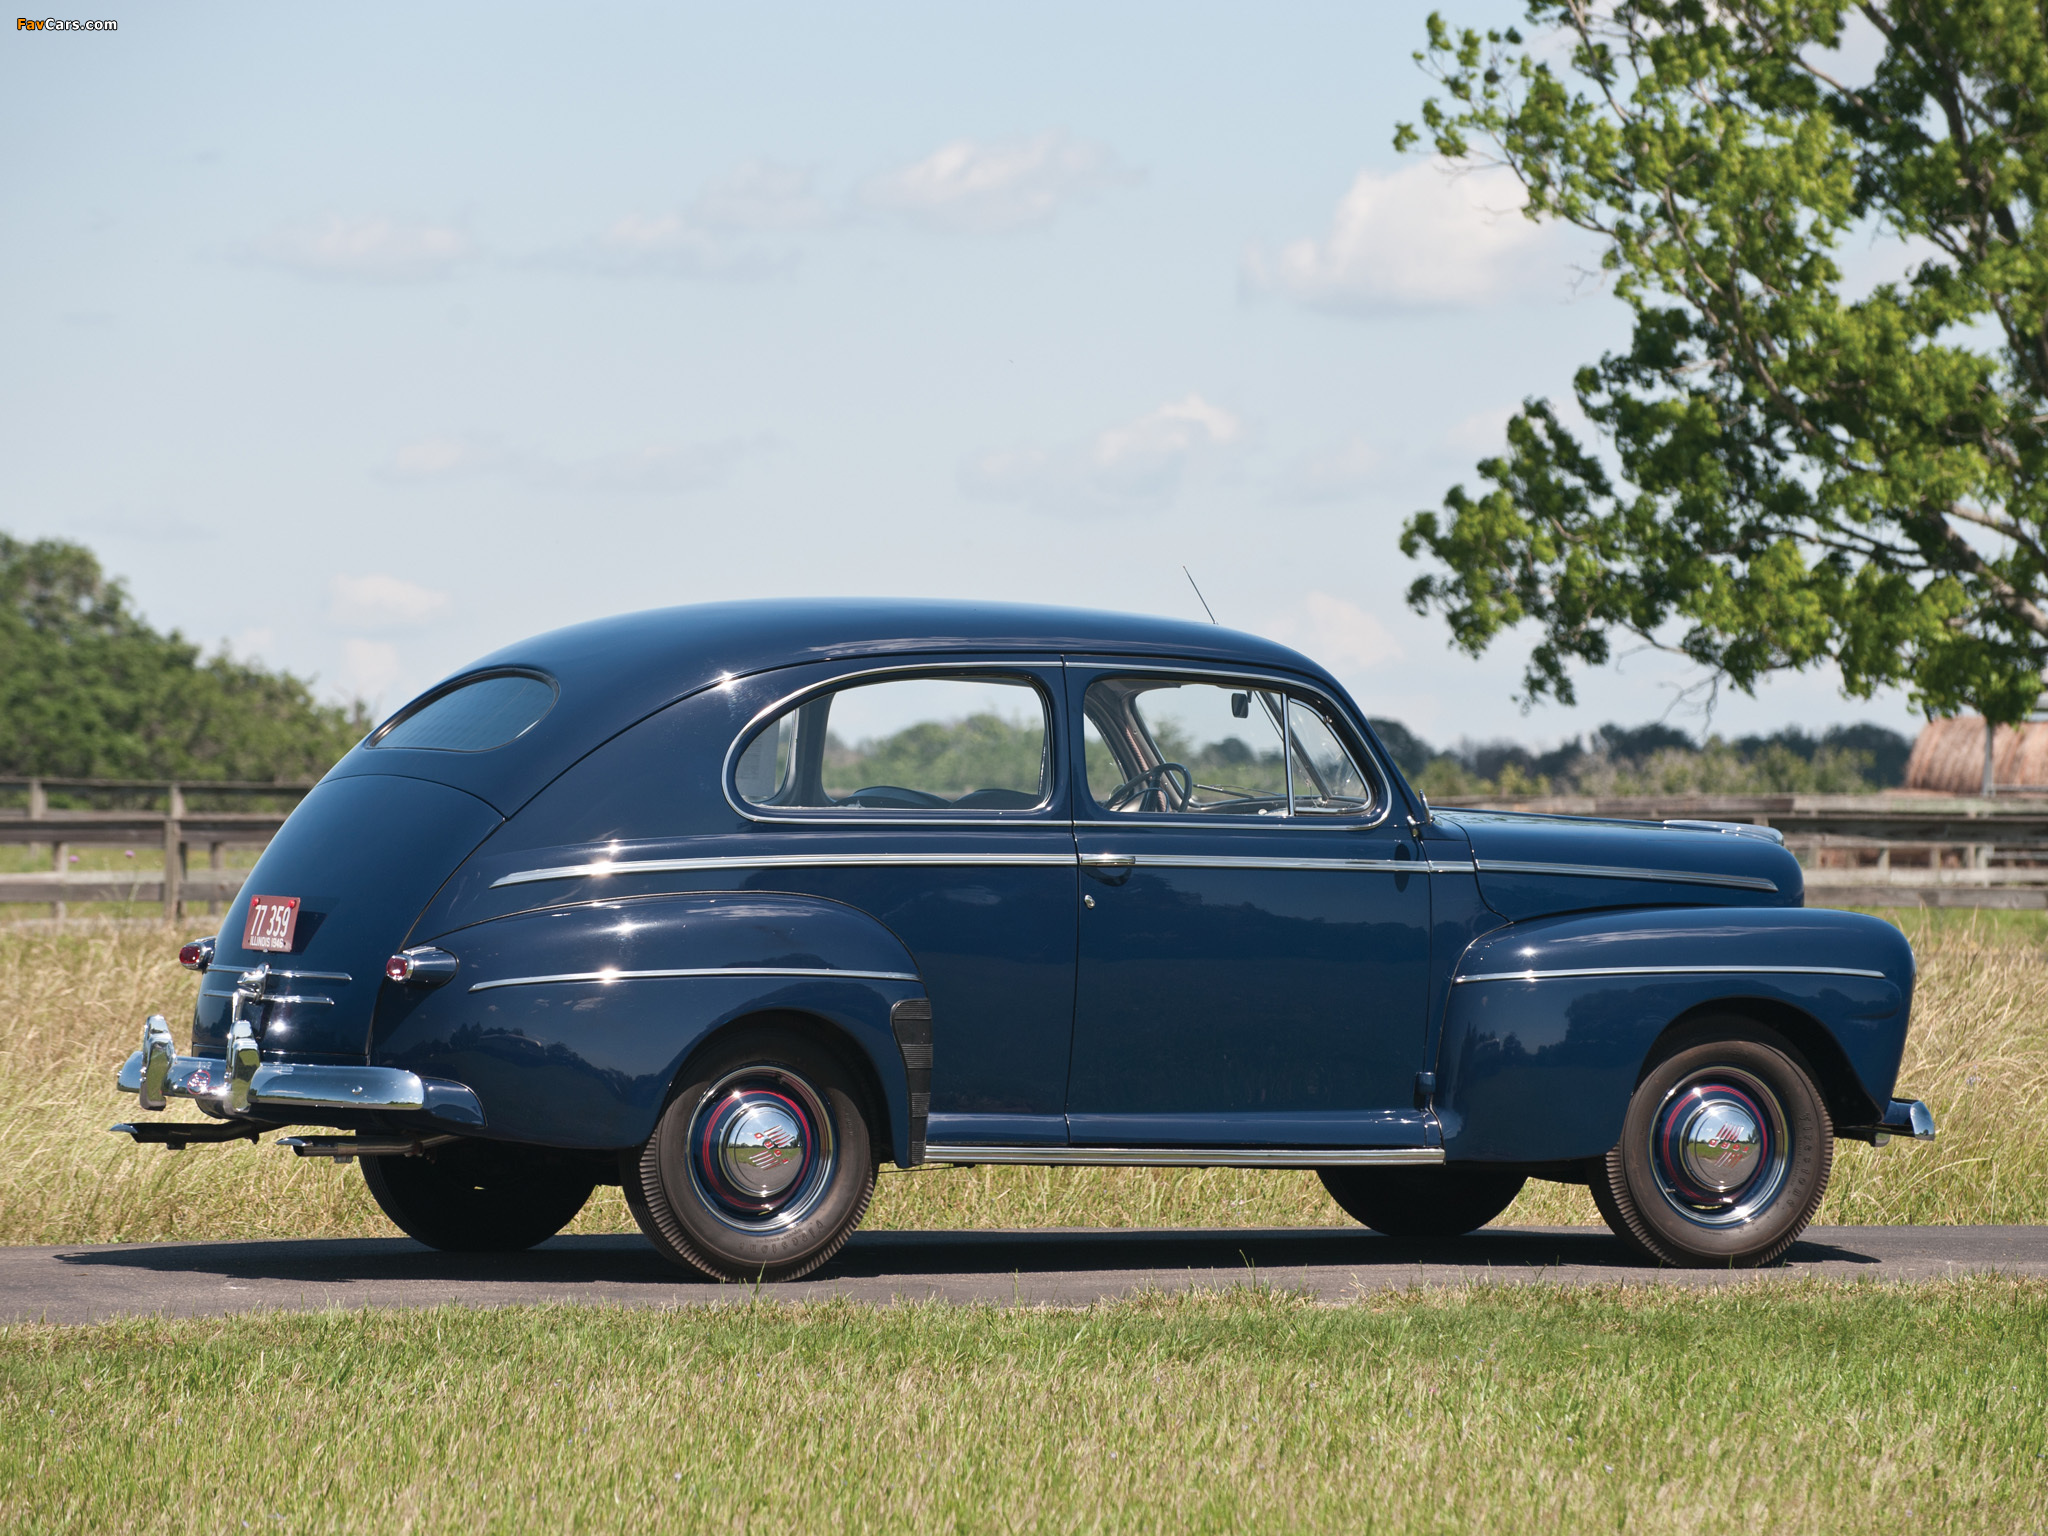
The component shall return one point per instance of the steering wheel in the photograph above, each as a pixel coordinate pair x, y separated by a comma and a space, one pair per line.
1153, 781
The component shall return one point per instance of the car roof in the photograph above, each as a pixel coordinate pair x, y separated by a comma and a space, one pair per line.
618, 670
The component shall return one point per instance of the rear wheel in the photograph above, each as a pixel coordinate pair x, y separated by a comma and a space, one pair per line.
1725, 1151
1422, 1202
479, 1196
761, 1166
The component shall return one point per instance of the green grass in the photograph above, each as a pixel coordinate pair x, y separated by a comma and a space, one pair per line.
74, 997
1781, 1408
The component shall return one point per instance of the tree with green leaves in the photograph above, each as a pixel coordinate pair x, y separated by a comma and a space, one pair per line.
89, 690
1781, 471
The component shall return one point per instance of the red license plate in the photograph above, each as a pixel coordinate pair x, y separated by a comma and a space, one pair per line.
272, 920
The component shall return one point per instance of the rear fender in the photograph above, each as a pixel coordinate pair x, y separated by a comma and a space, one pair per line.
571, 1023
1550, 1023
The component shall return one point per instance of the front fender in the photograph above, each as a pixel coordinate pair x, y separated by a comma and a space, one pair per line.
1550, 1022
570, 1023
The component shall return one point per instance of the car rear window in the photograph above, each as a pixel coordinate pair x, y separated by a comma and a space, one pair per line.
472, 717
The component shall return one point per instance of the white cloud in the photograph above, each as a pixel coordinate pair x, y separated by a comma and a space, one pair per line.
377, 249
1340, 635
368, 668
656, 468
1146, 458
381, 601
1422, 235
674, 244
1140, 463
1333, 472
992, 187
716, 236
1482, 431
760, 196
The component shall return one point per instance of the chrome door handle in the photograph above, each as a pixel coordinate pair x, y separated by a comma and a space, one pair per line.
1110, 868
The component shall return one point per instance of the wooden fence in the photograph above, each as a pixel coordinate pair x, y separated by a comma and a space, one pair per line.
172, 825
1902, 848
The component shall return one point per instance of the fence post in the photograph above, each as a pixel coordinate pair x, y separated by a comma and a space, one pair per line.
174, 854
38, 802
60, 861
213, 862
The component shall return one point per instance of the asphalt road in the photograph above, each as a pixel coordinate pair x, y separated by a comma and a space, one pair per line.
81, 1283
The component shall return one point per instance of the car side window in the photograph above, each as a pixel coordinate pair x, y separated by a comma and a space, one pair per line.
1157, 745
1326, 781
961, 743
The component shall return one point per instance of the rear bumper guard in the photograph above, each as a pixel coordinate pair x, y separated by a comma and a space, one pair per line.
242, 1083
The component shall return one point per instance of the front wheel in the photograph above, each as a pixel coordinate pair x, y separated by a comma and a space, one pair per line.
479, 1196
1422, 1202
1724, 1155
761, 1166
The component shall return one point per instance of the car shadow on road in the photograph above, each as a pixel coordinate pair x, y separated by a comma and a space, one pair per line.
627, 1259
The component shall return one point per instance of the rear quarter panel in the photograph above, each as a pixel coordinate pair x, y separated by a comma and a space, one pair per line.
571, 1022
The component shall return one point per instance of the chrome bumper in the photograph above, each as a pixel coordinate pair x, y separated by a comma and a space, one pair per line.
242, 1084
1902, 1117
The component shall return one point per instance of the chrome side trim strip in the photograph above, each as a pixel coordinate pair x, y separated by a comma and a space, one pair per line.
709, 970
792, 861
1674, 970
1185, 1157
1620, 872
1228, 861
973, 861
274, 997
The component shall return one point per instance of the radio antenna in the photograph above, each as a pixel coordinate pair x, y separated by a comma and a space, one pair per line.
1198, 594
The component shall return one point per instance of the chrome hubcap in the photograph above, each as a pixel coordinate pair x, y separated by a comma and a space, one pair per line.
761, 1146
1720, 1143
1720, 1148
761, 1149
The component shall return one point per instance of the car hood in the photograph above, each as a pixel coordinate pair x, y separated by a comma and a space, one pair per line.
1533, 866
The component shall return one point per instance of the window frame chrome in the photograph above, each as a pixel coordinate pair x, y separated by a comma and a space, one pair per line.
903, 671
1110, 666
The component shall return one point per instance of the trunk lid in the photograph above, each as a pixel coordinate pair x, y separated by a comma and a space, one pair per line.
364, 855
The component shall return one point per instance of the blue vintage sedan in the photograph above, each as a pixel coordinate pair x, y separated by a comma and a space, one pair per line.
727, 904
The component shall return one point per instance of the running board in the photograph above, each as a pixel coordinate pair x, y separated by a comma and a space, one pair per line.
1186, 1157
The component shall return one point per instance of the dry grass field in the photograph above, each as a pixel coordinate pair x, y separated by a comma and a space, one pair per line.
73, 998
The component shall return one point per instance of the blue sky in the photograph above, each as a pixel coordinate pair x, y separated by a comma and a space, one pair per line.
367, 339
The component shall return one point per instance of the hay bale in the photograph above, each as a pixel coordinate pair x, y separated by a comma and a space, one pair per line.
1948, 755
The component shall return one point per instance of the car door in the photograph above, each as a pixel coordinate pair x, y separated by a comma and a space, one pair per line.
935, 797
1254, 927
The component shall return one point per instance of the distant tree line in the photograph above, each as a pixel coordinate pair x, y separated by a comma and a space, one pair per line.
1658, 759
89, 690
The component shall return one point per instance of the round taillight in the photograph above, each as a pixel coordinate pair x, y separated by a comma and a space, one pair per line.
421, 966
197, 955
